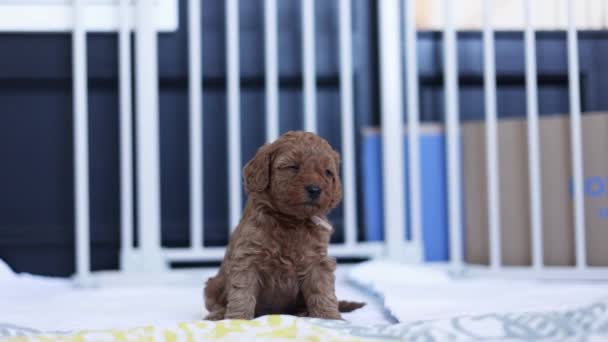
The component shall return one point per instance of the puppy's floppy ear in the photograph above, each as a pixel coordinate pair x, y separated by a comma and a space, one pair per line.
337, 193
256, 173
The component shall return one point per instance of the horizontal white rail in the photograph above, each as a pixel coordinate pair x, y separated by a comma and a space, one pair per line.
95, 15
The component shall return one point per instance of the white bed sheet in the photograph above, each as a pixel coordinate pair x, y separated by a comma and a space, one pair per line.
53, 304
421, 293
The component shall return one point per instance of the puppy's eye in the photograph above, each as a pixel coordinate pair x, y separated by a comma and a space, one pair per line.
328, 173
294, 167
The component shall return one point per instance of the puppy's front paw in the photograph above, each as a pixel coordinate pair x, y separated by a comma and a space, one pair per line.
217, 315
238, 315
326, 314
302, 314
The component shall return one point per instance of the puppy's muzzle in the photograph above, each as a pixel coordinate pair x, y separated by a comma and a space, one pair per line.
314, 191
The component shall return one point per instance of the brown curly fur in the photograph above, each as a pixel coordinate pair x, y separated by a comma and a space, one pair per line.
276, 261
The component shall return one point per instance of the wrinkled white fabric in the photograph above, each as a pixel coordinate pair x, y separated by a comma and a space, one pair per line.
419, 293
54, 304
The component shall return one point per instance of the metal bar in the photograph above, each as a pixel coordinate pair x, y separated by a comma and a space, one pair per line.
309, 65
533, 139
575, 137
492, 167
234, 112
148, 180
413, 125
195, 88
272, 66
81, 144
126, 133
348, 125
450, 71
392, 127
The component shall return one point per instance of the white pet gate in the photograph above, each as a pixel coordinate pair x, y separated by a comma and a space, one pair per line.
150, 256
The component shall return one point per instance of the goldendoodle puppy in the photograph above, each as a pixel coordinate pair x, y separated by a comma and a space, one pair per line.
276, 261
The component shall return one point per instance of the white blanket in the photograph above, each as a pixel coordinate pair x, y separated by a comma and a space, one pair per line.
430, 305
420, 293
53, 304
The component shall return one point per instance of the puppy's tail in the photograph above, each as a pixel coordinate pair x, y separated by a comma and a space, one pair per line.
346, 306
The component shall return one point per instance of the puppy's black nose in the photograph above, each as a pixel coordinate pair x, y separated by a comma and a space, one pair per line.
313, 191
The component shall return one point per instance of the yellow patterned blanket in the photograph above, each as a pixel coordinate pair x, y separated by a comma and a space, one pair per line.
273, 328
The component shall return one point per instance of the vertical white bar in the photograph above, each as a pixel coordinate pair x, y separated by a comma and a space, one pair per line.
81, 143
126, 133
195, 78
272, 66
148, 180
413, 115
234, 111
492, 168
453, 133
391, 97
575, 137
348, 125
533, 139
309, 65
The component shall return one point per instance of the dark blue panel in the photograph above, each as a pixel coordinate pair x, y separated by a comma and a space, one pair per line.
216, 168
174, 152
36, 174
104, 167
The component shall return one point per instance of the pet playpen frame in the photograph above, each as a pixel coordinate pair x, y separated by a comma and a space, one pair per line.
150, 256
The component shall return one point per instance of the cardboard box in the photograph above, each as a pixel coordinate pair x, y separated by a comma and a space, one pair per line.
557, 199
